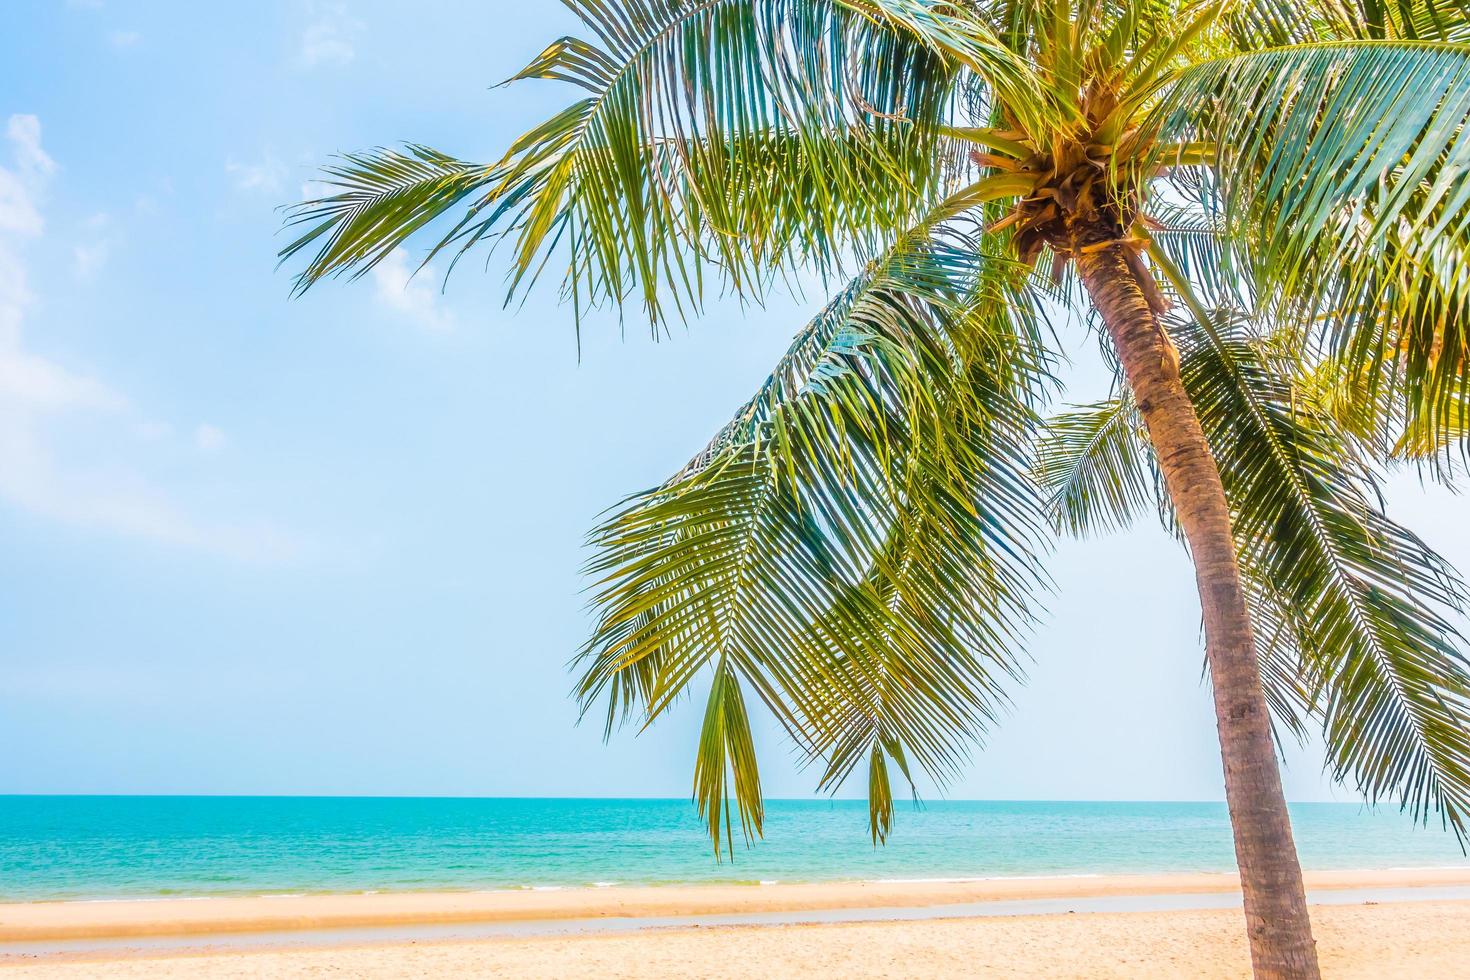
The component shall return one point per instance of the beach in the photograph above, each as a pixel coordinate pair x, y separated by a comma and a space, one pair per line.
1371, 943
309, 887
916, 928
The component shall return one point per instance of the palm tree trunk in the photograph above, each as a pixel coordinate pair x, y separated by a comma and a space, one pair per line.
1275, 903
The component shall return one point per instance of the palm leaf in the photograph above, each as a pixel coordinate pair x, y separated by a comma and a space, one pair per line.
739, 136
384, 197
1388, 427
1352, 608
1094, 463
1341, 171
857, 547
746, 134
1273, 23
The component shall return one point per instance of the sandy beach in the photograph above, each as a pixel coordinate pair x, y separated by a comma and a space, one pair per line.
1374, 942
34, 921
255, 937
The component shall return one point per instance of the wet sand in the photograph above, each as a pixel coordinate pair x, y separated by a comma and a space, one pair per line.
41, 921
1415, 939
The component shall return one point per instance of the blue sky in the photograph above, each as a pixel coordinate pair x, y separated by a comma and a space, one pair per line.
332, 545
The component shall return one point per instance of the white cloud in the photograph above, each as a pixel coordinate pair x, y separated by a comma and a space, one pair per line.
24, 134
413, 296
33, 384
20, 187
329, 36
209, 438
152, 430
38, 395
267, 176
88, 257
15, 293
124, 39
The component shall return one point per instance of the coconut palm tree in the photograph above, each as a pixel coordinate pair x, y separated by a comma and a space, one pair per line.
1261, 207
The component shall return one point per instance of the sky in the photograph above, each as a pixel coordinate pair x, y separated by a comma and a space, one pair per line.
331, 545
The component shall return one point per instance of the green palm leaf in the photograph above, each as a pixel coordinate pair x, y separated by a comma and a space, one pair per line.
1352, 608
1094, 464
857, 547
745, 134
384, 197
1387, 426
735, 135
1272, 23
1341, 171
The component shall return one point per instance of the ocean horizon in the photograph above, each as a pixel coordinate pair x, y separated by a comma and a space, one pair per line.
98, 848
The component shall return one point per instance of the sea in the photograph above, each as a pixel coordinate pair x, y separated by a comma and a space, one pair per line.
99, 848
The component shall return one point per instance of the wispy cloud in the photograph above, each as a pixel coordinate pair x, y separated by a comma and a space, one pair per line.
88, 258
37, 394
329, 37
31, 384
267, 175
413, 296
209, 438
92, 253
124, 39
20, 187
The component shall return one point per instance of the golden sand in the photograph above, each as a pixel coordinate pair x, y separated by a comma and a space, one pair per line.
1420, 939
1362, 942
84, 920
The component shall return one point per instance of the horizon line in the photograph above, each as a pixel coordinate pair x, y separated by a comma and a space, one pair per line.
920, 801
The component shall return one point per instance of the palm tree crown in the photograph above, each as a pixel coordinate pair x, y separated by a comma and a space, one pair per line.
858, 549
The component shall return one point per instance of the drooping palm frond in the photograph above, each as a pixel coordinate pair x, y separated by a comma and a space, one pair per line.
1390, 428
1369, 390
857, 547
946, 564
1341, 171
726, 754
1093, 462
1399, 351
1352, 609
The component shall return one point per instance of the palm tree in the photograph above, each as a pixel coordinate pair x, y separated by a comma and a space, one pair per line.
1261, 204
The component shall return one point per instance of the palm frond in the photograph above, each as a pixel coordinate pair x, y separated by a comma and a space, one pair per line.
858, 547
1352, 609
1341, 168
732, 137
1094, 464
383, 197
744, 135
1273, 23
1390, 428
1190, 232
724, 736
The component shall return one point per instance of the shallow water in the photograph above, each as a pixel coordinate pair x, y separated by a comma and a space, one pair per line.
80, 847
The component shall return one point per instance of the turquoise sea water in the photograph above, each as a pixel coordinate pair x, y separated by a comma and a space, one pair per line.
80, 847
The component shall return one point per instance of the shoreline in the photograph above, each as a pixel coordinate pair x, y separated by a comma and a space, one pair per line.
1432, 873
30, 922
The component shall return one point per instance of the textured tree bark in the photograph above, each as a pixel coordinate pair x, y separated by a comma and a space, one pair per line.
1275, 903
